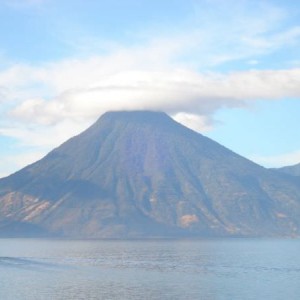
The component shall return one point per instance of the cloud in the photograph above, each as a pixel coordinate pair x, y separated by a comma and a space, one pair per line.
172, 90
228, 31
82, 89
4, 94
195, 122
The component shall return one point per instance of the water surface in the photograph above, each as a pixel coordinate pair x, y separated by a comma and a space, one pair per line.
151, 269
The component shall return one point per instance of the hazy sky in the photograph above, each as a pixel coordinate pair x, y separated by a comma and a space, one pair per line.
229, 69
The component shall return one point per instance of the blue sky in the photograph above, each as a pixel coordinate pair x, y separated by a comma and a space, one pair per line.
229, 69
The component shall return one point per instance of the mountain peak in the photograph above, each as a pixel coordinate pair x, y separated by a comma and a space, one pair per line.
135, 116
137, 120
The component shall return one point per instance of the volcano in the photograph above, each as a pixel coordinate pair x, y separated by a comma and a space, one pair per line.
140, 174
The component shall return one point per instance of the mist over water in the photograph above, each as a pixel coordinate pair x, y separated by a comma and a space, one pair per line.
151, 269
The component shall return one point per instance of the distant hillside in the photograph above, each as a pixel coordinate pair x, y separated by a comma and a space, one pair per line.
141, 174
291, 170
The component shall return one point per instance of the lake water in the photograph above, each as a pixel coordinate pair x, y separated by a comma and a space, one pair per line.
152, 269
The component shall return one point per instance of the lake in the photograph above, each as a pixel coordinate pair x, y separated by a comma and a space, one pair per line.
150, 269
